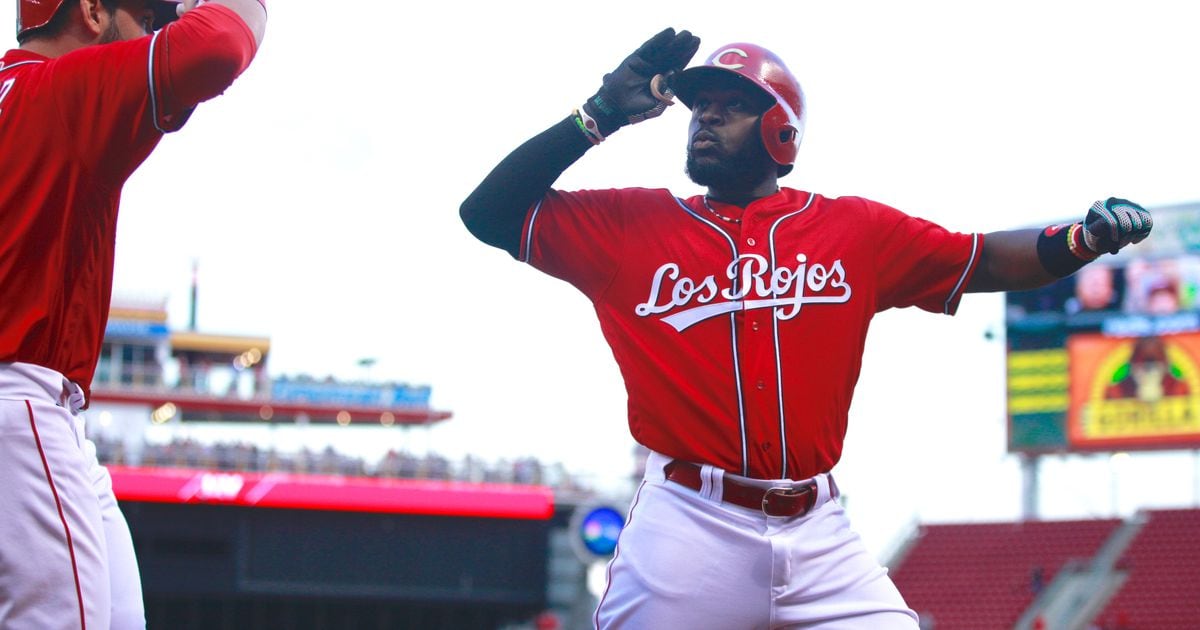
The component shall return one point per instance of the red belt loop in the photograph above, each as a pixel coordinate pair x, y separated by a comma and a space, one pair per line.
782, 501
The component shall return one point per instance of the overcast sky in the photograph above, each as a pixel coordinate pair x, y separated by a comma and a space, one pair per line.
319, 196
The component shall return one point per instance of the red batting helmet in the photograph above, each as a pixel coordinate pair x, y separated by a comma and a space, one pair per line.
33, 14
783, 123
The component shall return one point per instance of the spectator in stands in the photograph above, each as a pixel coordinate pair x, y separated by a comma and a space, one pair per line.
474, 469
389, 466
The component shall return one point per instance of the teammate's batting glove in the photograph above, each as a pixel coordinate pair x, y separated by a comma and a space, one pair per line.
638, 88
1115, 223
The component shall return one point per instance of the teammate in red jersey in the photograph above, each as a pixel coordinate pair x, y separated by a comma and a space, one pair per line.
83, 101
738, 320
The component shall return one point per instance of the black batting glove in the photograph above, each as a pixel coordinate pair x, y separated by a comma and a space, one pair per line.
627, 95
1115, 223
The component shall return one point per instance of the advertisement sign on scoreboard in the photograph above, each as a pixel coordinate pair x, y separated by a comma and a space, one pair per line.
1109, 358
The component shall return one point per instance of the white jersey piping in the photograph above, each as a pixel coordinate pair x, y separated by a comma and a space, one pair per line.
775, 331
963, 277
737, 374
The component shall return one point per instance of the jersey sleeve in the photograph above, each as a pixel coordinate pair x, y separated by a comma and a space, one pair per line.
920, 263
578, 236
116, 100
196, 59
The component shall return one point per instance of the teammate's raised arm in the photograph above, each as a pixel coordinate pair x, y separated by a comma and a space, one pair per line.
635, 91
213, 42
252, 12
1019, 260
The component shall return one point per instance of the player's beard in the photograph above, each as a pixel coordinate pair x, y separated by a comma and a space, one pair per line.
112, 33
743, 170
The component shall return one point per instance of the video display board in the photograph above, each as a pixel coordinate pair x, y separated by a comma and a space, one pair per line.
1109, 358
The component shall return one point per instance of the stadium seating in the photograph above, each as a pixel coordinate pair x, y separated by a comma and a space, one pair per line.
1163, 565
985, 575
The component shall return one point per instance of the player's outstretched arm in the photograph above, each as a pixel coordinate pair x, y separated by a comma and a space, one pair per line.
1026, 259
635, 91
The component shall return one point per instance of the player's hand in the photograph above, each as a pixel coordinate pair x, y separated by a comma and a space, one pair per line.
1115, 223
187, 5
632, 93
165, 12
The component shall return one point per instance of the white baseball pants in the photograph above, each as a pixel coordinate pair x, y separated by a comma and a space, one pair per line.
688, 560
66, 556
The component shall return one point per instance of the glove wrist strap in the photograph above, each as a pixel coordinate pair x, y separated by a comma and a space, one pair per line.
608, 119
1062, 251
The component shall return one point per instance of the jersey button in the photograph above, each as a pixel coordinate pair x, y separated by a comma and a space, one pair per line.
751, 242
760, 385
766, 446
753, 325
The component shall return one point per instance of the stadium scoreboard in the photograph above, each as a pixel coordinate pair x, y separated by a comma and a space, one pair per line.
1109, 358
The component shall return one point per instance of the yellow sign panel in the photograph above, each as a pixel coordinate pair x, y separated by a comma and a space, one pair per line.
1142, 392
1037, 381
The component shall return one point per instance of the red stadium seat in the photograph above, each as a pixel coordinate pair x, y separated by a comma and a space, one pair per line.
1163, 587
982, 575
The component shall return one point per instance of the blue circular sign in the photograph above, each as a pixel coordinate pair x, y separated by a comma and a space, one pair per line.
599, 529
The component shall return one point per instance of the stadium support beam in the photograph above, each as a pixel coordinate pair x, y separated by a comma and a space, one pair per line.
1029, 486
1196, 477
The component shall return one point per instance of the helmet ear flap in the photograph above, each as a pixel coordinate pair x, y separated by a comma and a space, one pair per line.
780, 135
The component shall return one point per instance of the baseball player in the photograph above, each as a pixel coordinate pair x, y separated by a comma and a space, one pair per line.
738, 319
83, 101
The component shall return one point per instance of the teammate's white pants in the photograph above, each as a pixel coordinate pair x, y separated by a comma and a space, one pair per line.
687, 560
66, 556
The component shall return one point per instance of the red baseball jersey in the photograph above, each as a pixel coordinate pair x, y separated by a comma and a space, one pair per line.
72, 131
740, 343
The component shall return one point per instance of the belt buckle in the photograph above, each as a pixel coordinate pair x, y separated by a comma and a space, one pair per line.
783, 506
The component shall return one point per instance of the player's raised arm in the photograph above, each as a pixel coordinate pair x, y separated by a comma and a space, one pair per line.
210, 46
1026, 259
198, 49
252, 12
635, 91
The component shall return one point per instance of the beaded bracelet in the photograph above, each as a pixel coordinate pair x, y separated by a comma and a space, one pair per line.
1061, 250
587, 125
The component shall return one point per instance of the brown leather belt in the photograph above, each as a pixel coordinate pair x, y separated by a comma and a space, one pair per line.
781, 501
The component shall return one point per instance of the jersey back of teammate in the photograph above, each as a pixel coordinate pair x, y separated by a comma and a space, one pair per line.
72, 131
